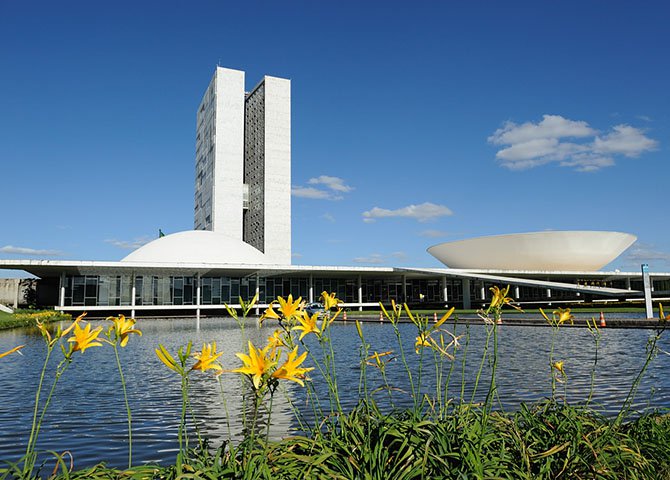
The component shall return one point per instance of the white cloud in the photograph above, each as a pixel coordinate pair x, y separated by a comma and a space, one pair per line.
375, 259
328, 217
296, 255
433, 233
129, 244
530, 145
315, 193
379, 259
551, 126
29, 251
643, 253
335, 186
334, 183
422, 213
624, 140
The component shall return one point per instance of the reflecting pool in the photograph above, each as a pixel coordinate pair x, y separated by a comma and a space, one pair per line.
87, 416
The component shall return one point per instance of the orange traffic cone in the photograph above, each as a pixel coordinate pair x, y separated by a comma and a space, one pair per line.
381, 318
435, 317
602, 320
345, 316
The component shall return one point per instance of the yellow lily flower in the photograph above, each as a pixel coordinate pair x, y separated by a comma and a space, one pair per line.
422, 340
307, 324
375, 360
359, 329
206, 360
122, 328
444, 318
545, 316
564, 315
329, 301
44, 331
9, 352
167, 359
59, 333
256, 364
84, 338
290, 369
558, 366
500, 297
288, 308
269, 313
276, 341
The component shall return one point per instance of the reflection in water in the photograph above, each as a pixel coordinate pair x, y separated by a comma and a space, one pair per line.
87, 416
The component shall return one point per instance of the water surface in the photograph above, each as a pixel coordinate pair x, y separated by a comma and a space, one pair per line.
87, 415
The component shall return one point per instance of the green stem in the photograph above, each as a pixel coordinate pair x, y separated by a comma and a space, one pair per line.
485, 356
225, 408
593, 369
183, 438
554, 330
62, 366
419, 401
494, 365
388, 388
463, 362
267, 430
333, 370
125, 397
404, 359
32, 438
651, 353
324, 374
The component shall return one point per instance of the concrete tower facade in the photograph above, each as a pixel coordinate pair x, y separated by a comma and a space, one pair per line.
243, 162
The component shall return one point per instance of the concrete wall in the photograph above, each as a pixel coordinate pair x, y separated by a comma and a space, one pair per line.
229, 153
278, 170
12, 291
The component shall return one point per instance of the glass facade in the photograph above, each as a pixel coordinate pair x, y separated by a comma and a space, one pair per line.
117, 290
89, 290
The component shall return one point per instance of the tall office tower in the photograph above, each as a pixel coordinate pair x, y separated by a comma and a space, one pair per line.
243, 162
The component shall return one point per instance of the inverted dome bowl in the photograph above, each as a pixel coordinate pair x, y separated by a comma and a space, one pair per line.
551, 250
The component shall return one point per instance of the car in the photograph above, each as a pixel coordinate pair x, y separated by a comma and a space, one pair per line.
313, 308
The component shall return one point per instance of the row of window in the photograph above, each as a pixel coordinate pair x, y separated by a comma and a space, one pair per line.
176, 290
90, 290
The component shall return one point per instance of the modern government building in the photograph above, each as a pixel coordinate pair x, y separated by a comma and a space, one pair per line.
241, 242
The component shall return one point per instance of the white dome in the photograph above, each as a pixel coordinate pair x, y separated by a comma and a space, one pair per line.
197, 246
537, 251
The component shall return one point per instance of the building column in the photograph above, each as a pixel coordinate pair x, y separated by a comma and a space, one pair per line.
517, 293
197, 296
467, 304
61, 296
311, 289
17, 291
132, 295
548, 292
404, 288
445, 292
482, 292
628, 287
360, 293
258, 292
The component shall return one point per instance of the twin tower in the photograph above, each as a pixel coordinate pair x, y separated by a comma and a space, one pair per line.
243, 162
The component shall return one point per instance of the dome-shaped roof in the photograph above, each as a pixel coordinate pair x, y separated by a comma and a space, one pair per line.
197, 246
551, 250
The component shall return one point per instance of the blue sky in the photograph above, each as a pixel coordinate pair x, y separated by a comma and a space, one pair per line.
413, 123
